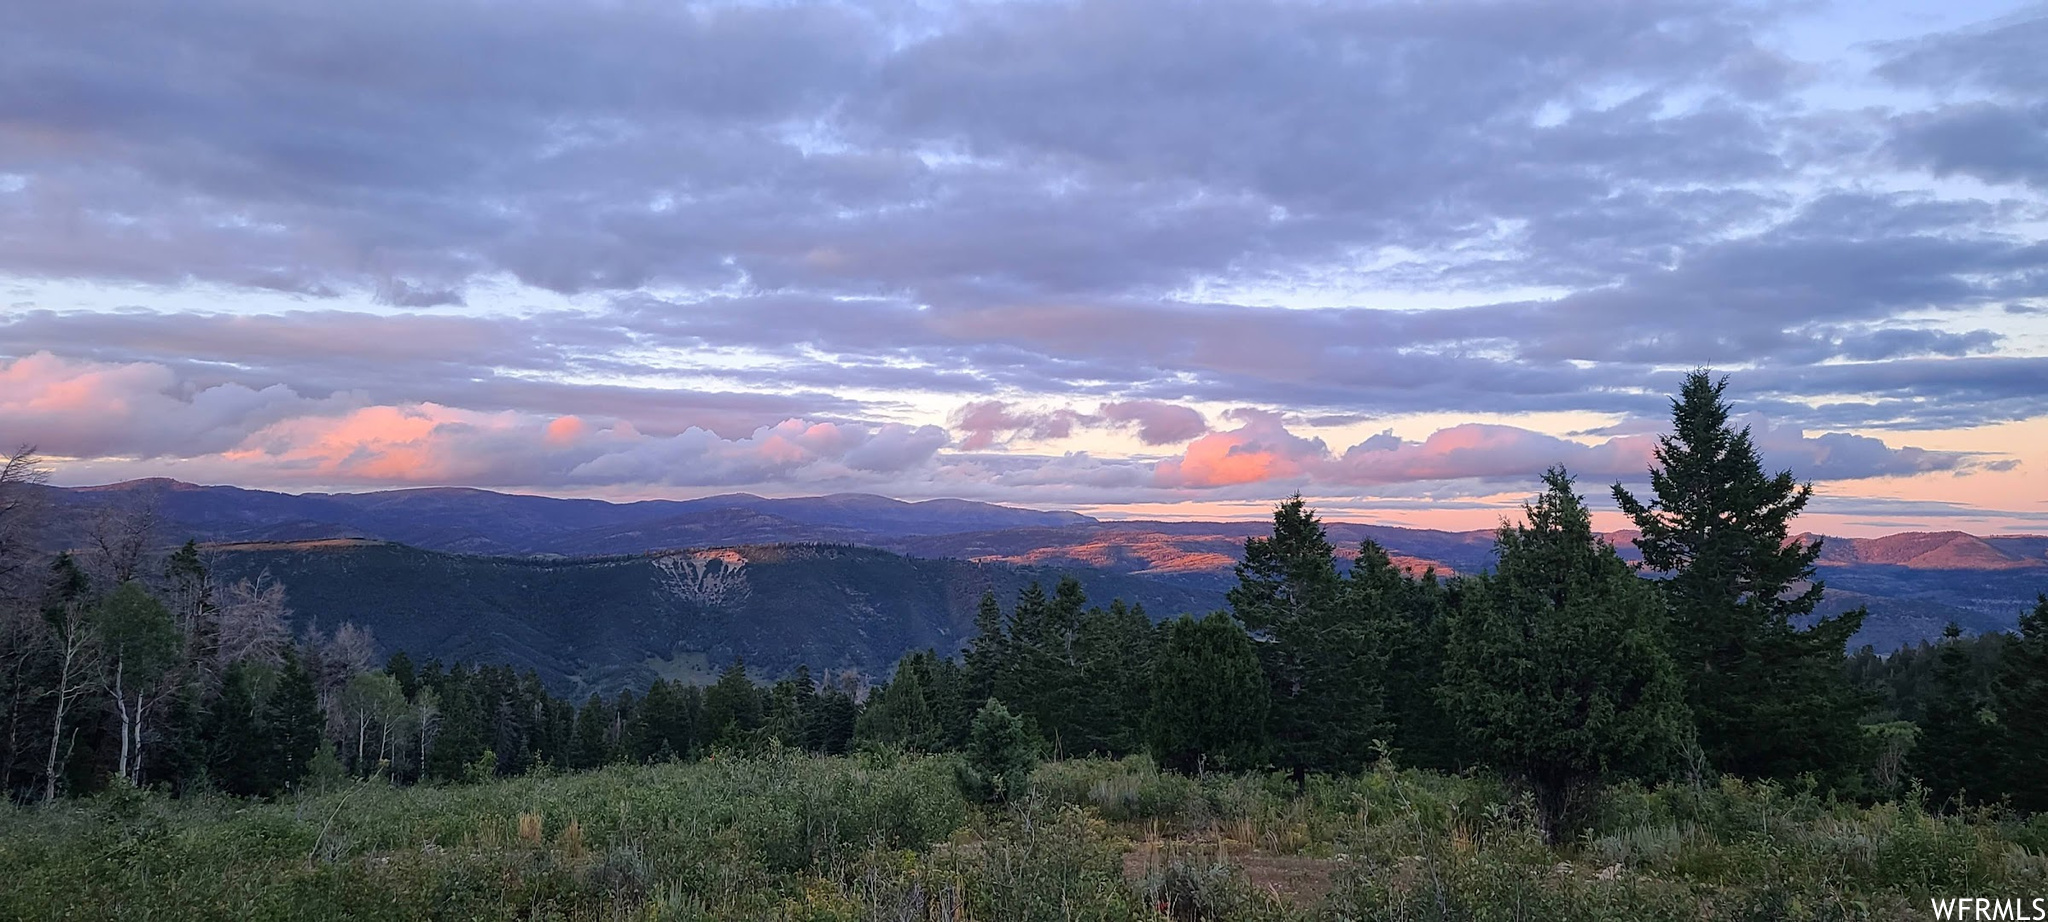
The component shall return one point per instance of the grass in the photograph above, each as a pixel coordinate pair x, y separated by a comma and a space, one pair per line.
789, 836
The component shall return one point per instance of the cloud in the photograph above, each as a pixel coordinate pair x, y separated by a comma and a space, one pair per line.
1158, 423
577, 243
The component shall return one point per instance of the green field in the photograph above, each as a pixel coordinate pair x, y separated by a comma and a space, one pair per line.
782, 835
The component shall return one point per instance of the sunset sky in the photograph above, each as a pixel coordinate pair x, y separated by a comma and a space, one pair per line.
1136, 258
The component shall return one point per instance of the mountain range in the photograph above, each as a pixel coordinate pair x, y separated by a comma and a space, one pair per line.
597, 593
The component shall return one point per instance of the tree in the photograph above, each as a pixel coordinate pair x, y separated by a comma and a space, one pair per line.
2023, 710
832, 723
239, 760
900, 713
1558, 668
21, 521
1323, 666
1208, 697
67, 605
986, 653
732, 707
120, 533
663, 727
1405, 618
371, 699
1000, 755
1040, 675
1771, 697
1115, 649
140, 641
294, 723
1959, 751
592, 746
251, 621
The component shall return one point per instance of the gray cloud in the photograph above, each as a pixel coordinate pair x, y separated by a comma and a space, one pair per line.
1090, 205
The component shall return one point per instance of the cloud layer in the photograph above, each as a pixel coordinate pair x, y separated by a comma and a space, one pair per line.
1080, 251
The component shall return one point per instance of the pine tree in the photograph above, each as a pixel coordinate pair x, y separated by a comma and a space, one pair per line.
986, 653
1115, 648
900, 713
1406, 619
1039, 677
592, 746
832, 723
662, 725
732, 708
239, 751
1000, 755
1209, 697
1771, 698
459, 731
1324, 668
2023, 711
1959, 752
1558, 668
294, 723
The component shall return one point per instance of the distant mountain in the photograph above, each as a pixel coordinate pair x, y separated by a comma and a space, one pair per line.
1913, 583
484, 522
619, 621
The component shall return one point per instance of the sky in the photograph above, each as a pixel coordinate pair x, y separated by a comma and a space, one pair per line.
1132, 257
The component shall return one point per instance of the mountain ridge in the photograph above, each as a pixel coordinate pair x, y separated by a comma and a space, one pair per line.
1914, 583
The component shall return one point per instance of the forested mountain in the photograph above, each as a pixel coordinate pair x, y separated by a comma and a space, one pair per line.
1913, 583
616, 622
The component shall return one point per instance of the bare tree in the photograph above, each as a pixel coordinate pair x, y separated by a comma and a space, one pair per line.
353, 650
22, 634
251, 622
120, 535
21, 518
76, 656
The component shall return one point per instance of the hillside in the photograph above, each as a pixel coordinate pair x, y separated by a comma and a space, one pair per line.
614, 621
1913, 583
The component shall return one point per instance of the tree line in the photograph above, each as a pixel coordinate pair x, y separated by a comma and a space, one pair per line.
1563, 667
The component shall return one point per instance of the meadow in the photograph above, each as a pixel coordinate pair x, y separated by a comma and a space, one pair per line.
786, 835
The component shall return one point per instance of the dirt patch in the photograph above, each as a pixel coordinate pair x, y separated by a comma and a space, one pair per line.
1295, 879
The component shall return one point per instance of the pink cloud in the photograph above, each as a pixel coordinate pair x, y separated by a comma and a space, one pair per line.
989, 421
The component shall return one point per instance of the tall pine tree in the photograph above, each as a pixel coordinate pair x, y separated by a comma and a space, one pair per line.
1323, 664
1960, 748
2023, 711
1768, 690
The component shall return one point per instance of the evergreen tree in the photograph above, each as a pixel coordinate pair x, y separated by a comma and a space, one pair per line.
1115, 649
1558, 668
460, 735
732, 708
1000, 755
986, 653
900, 712
239, 757
1406, 621
1324, 668
1959, 751
293, 722
1209, 697
832, 722
1771, 698
1040, 673
400, 667
592, 746
662, 725
2023, 710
